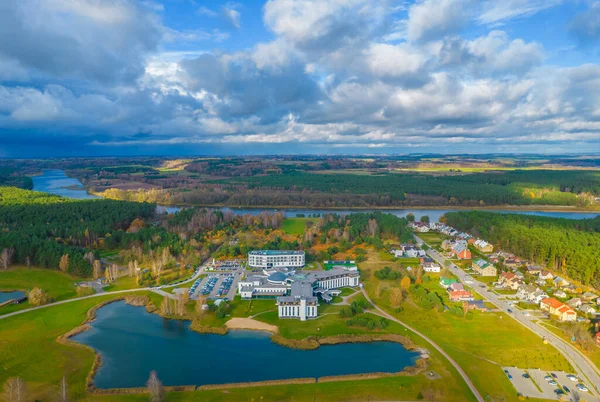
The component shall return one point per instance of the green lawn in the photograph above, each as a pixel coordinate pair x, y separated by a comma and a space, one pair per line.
122, 283
60, 286
480, 345
28, 348
434, 239
294, 226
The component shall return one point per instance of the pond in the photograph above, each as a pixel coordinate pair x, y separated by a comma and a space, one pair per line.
181, 356
55, 181
4, 296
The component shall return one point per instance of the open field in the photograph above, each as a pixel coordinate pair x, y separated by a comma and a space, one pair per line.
480, 345
28, 348
60, 286
434, 239
295, 226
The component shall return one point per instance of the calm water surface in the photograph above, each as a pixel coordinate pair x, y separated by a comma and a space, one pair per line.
183, 357
54, 181
4, 296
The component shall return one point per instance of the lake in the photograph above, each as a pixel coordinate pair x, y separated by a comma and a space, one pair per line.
181, 356
4, 296
55, 181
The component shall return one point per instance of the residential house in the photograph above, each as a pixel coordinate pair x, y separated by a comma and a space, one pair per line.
510, 281
461, 251
484, 268
534, 269
560, 293
460, 295
589, 296
483, 246
545, 275
576, 302
587, 309
520, 275
431, 267
538, 296
447, 244
475, 305
560, 282
512, 263
446, 282
558, 309
526, 293
456, 286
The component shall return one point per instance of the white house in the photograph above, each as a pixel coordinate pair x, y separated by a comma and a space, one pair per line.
431, 267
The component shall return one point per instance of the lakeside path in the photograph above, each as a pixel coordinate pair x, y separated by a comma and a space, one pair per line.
439, 349
116, 292
584, 366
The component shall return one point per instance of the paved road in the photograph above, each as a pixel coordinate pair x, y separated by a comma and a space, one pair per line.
585, 368
117, 292
439, 349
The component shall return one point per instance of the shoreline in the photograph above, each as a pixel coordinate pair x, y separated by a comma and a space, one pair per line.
420, 364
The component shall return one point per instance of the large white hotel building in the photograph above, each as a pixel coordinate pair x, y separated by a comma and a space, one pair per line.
267, 259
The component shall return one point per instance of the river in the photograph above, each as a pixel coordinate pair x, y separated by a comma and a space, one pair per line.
181, 356
56, 182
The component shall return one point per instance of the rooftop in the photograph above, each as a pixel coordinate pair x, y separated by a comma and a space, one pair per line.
276, 252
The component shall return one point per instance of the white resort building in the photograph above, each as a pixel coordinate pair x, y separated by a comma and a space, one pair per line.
298, 294
267, 259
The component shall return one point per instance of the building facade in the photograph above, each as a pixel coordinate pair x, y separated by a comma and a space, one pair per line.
266, 259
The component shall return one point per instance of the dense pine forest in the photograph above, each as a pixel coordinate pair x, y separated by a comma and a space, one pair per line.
535, 187
571, 247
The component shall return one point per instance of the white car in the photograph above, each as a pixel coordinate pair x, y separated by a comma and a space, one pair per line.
572, 377
582, 388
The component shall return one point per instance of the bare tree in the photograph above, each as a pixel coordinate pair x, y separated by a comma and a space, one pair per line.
14, 390
28, 261
155, 388
6, 257
63, 390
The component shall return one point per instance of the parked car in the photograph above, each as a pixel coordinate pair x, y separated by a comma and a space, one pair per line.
572, 378
525, 375
567, 390
582, 388
553, 375
552, 382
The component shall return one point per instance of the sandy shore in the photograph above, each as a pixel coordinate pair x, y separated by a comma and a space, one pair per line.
249, 323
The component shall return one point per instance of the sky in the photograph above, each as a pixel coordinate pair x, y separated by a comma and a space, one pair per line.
194, 77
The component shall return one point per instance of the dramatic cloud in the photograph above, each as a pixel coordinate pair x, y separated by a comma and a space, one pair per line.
119, 76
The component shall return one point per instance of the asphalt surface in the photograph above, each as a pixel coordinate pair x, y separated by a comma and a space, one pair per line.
585, 368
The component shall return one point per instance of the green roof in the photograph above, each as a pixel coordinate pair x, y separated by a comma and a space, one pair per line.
448, 281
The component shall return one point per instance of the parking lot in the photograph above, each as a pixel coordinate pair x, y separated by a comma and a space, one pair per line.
544, 379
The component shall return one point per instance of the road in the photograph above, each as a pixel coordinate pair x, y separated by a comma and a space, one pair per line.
585, 368
439, 349
117, 292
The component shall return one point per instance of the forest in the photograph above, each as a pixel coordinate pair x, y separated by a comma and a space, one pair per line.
552, 187
568, 246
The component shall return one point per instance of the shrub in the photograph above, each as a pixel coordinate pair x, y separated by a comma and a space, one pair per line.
38, 297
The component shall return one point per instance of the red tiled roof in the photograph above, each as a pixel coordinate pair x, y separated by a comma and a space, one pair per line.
552, 302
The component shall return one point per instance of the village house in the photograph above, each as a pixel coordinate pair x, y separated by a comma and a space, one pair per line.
475, 305
587, 309
456, 286
484, 268
526, 292
558, 309
560, 282
408, 251
420, 227
447, 244
576, 302
461, 251
534, 269
589, 296
459, 295
545, 275
431, 267
560, 293
512, 263
483, 246
446, 282
509, 280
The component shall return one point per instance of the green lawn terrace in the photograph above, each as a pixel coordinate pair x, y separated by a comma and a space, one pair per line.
330, 264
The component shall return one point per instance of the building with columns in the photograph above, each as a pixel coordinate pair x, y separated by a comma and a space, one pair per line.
270, 259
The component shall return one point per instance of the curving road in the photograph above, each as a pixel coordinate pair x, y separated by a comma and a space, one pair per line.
439, 349
585, 368
116, 292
